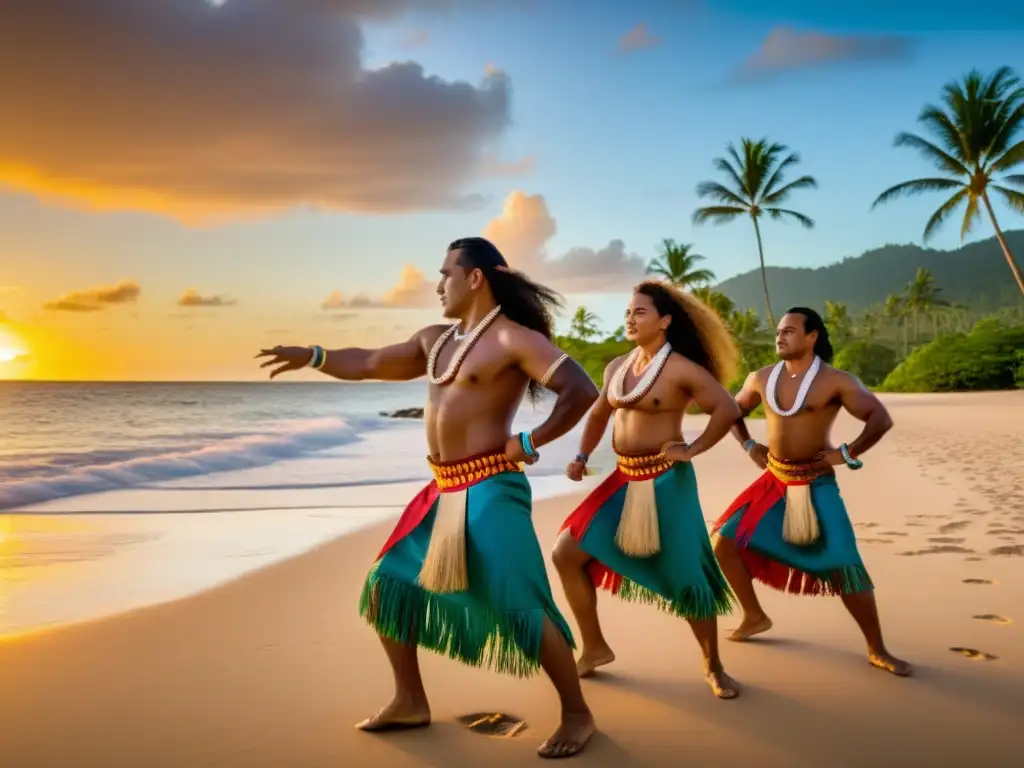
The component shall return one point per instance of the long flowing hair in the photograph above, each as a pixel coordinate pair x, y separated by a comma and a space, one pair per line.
814, 323
696, 330
522, 300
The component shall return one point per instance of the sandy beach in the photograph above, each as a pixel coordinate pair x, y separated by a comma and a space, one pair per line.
274, 668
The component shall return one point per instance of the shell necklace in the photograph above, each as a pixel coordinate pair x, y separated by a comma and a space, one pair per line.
460, 355
801, 395
645, 384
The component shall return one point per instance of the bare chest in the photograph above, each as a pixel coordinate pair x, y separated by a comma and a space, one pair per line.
820, 397
483, 367
661, 396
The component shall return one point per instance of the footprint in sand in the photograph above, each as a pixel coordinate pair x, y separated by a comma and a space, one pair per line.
497, 725
876, 541
978, 581
1010, 550
865, 525
939, 549
956, 525
973, 559
946, 540
993, 618
1004, 532
893, 533
973, 653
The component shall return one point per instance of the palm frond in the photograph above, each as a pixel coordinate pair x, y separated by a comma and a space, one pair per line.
727, 168
1011, 157
780, 195
783, 213
720, 193
970, 217
915, 187
938, 157
1016, 178
657, 268
938, 122
717, 214
768, 188
1008, 120
1013, 198
943, 212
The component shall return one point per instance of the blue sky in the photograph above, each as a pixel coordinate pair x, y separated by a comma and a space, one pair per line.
618, 142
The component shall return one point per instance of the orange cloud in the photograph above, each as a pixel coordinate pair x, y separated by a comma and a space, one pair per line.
192, 298
232, 110
522, 231
637, 39
412, 291
786, 49
95, 299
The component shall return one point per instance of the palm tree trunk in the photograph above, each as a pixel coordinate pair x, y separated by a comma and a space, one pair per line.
1002, 241
764, 275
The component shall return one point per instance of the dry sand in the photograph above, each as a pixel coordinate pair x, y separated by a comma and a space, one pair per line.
273, 669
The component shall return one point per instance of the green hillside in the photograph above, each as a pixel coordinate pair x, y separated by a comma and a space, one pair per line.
975, 275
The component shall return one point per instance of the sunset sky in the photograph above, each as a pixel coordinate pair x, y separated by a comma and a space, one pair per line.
185, 181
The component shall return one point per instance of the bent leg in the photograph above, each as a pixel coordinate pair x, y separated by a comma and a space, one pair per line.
577, 724
864, 609
570, 561
706, 632
755, 620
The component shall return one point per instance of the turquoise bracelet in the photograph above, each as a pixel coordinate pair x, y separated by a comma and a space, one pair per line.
526, 440
851, 462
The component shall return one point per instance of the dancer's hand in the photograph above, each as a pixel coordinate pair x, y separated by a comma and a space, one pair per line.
829, 458
288, 358
676, 451
575, 471
759, 455
514, 452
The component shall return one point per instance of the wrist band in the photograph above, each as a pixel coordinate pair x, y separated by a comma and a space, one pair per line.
582, 457
748, 445
319, 357
851, 462
526, 440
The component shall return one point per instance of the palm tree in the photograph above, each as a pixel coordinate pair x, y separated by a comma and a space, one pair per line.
584, 324
837, 318
896, 312
678, 264
716, 300
754, 187
974, 147
921, 297
869, 323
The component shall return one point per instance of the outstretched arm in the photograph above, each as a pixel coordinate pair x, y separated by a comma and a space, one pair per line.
748, 399
574, 388
713, 399
862, 404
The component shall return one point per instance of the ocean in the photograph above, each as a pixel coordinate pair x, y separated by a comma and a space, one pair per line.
118, 495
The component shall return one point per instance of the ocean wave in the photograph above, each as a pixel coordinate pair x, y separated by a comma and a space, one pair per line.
108, 471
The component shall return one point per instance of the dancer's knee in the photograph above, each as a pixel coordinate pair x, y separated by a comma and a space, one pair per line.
567, 554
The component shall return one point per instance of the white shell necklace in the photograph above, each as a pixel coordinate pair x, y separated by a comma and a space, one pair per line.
645, 384
460, 355
801, 395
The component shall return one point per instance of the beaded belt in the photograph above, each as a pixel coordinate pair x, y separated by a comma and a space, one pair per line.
792, 473
451, 475
643, 465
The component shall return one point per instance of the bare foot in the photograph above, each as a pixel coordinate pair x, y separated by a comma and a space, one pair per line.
889, 663
750, 627
570, 738
723, 686
398, 716
590, 660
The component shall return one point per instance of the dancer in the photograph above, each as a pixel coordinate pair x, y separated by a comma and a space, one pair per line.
790, 529
641, 533
463, 573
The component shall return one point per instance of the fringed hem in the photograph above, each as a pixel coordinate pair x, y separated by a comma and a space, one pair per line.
507, 642
697, 603
847, 580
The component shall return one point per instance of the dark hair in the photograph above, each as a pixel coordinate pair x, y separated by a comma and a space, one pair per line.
522, 301
696, 330
814, 324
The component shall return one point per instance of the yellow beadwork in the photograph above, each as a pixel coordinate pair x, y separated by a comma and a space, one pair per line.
472, 471
643, 466
789, 472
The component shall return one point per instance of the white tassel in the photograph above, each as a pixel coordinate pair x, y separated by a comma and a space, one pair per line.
800, 522
444, 566
638, 534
